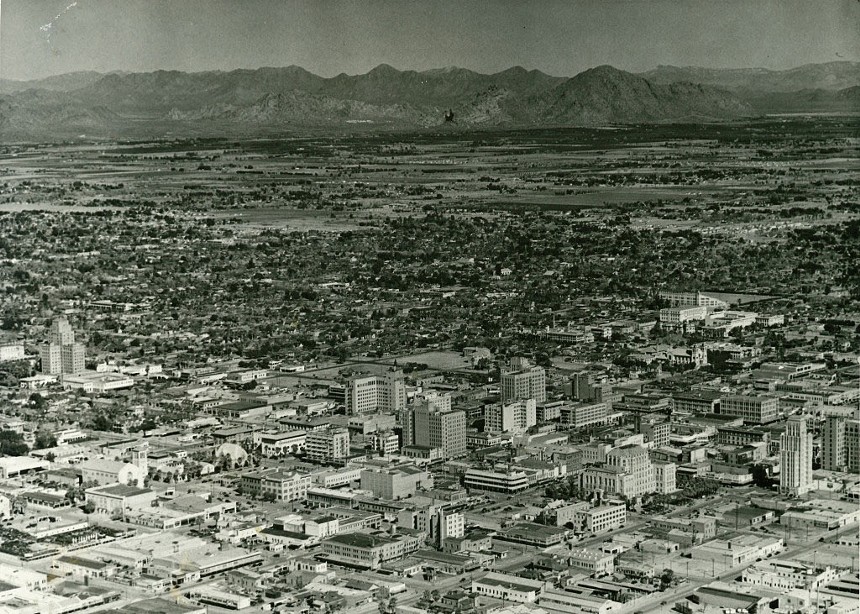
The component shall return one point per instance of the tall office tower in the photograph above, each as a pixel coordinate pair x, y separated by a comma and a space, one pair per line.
514, 417
529, 383
795, 458
407, 426
73, 357
62, 354
852, 445
386, 393
52, 359
61, 332
440, 401
580, 383
432, 401
841, 444
833, 444
444, 524
433, 428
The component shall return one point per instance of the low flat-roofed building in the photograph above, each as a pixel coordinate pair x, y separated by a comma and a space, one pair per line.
739, 550
733, 596
104, 471
201, 561
508, 587
49, 500
754, 409
496, 481
23, 577
179, 512
93, 381
532, 534
333, 478
283, 443
82, 568
158, 605
352, 520
700, 529
594, 562
39, 380
66, 597
16, 466
65, 476
576, 602
847, 587
606, 517
746, 516
448, 563
50, 525
368, 551
785, 575
396, 483
211, 595
821, 514
276, 484
116, 497
696, 402
326, 497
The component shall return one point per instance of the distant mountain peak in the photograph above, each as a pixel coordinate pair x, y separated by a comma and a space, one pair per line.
383, 70
269, 97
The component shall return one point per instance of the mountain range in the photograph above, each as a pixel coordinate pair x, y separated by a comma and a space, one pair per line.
266, 99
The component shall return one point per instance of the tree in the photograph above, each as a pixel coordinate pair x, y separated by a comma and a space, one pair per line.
148, 424
38, 401
667, 578
44, 439
12, 444
760, 476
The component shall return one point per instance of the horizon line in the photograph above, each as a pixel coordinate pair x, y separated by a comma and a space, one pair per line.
404, 70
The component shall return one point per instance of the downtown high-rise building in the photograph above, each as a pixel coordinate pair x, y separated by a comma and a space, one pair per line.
516, 417
795, 458
427, 426
62, 354
431, 400
376, 393
522, 381
840, 444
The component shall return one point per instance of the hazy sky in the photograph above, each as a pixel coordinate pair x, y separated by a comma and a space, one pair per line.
560, 37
